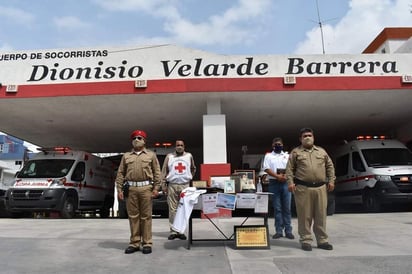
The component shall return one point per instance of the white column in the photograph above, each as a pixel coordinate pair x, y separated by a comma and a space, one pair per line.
214, 134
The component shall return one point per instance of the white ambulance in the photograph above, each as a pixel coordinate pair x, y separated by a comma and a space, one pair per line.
64, 181
8, 170
373, 171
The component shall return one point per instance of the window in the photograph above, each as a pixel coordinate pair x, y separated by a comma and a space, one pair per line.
50, 168
387, 156
79, 171
357, 162
342, 164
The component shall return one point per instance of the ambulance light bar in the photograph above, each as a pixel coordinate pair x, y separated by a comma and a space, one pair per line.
370, 137
54, 149
163, 144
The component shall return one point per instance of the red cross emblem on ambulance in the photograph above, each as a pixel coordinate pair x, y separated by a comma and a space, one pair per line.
180, 168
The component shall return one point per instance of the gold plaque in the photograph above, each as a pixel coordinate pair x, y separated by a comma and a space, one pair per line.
199, 184
252, 237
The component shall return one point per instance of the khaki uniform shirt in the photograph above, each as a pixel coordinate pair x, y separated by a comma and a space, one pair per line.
138, 167
310, 165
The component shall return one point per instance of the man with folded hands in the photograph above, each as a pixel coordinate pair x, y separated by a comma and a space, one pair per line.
274, 165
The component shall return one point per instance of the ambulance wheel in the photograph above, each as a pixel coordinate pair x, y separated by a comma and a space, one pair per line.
68, 209
370, 201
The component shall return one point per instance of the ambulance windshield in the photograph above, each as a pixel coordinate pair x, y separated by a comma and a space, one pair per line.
387, 157
50, 168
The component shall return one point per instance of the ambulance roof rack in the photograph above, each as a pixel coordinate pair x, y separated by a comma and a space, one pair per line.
46, 150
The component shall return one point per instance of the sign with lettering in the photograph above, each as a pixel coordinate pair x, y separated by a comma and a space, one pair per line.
173, 62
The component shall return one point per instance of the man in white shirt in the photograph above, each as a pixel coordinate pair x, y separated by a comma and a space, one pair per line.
274, 165
177, 172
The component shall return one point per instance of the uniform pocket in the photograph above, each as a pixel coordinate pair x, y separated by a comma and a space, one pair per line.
146, 166
302, 161
320, 159
146, 163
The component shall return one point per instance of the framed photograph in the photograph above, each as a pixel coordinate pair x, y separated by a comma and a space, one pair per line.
218, 181
230, 186
236, 179
247, 180
199, 184
226, 201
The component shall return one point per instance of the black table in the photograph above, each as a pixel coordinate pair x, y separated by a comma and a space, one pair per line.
242, 213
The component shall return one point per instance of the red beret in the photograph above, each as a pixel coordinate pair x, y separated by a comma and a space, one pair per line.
138, 132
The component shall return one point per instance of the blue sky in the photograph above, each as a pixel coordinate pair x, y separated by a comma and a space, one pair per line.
219, 26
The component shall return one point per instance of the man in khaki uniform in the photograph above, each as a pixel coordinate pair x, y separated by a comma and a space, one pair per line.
310, 174
139, 169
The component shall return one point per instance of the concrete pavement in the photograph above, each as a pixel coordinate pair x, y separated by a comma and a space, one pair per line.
363, 243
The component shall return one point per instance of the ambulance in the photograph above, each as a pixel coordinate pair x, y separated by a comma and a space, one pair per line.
64, 181
7, 173
373, 171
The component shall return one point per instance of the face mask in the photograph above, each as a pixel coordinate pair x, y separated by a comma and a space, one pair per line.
179, 150
278, 148
307, 141
138, 143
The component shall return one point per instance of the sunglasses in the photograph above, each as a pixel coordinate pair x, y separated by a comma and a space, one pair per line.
138, 138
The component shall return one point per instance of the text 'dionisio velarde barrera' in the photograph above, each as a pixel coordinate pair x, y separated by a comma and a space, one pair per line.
179, 68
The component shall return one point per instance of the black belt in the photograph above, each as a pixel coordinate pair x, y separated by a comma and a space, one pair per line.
308, 184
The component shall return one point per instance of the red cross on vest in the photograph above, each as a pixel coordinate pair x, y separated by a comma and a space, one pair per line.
180, 167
